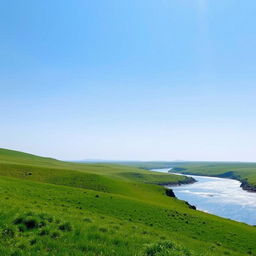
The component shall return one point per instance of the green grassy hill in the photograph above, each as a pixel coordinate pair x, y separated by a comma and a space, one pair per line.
50, 207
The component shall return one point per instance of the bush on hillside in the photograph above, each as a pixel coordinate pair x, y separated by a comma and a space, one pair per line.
8, 231
165, 248
65, 227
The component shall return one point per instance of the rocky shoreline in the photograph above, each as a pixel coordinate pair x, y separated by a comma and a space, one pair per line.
188, 180
246, 186
169, 192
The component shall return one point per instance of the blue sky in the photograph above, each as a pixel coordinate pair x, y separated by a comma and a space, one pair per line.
142, 80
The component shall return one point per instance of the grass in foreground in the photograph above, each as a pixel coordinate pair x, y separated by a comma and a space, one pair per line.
50, 207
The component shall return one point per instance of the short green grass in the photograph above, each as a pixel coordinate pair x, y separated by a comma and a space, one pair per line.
49, 207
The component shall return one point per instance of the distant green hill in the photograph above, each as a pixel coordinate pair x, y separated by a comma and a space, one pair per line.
50, 207
245, 172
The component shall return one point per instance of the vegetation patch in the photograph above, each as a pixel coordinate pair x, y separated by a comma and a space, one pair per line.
104, 209
165, 248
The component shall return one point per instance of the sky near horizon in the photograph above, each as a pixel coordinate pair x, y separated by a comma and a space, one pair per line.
129, 80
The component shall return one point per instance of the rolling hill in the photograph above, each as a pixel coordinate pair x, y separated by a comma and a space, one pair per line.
51, 207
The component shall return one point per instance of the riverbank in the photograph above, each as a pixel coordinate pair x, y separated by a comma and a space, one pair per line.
169, 192
220, 196
245, 172
117, 210
186, 181
245, 185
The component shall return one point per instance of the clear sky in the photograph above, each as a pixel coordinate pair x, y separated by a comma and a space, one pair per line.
137, 79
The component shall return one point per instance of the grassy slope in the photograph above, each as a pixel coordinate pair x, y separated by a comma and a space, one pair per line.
103, 210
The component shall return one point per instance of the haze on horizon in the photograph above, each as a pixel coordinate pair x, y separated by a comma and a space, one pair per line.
129, 80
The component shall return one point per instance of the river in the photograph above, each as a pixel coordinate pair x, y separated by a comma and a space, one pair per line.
218, 196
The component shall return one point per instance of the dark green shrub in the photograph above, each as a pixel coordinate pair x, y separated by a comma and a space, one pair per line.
159, 247
42, 223
55, 234
87, 220
65, 227
104, 230
9, 231
31, 222
22, 227
165, 248
45, 217
18, 220
33, 241
44, 232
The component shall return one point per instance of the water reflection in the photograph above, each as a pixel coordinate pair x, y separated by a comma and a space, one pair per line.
222, 197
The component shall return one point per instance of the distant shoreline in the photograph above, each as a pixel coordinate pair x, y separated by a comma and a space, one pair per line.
228, 175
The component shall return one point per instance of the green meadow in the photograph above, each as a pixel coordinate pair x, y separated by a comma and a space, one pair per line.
50, 207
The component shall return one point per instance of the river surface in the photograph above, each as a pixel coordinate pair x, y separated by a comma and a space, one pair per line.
218, 196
